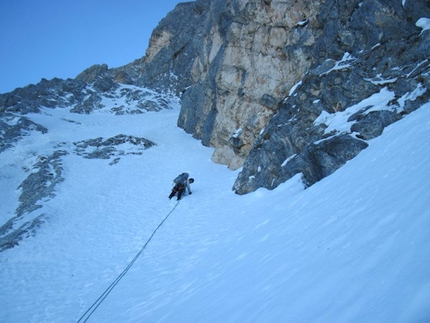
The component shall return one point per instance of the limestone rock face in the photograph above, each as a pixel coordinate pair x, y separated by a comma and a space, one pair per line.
370, 68
261, 80
255, 51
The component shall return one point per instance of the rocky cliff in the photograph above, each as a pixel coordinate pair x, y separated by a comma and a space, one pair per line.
264, 81
276, 87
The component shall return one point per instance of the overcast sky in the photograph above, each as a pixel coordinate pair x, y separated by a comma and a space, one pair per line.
60, 38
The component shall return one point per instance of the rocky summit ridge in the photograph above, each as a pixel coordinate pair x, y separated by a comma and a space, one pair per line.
276, 87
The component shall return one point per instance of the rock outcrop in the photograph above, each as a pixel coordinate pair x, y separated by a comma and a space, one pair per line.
255, 52
370, 67
261, 80
39, 185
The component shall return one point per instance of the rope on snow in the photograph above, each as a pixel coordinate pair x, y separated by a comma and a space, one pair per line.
96, 304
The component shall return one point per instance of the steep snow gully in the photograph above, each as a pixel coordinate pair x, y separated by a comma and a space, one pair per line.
354, 247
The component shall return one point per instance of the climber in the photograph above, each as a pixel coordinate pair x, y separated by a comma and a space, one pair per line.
181, 183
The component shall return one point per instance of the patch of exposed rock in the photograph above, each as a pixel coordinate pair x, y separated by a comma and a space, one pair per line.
120, 145
14, 127
38, 186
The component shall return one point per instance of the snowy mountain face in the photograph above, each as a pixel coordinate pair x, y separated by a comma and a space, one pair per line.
328, 103
42, 169
277, 88
86, 197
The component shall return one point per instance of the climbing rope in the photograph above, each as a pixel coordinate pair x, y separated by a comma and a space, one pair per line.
102, 297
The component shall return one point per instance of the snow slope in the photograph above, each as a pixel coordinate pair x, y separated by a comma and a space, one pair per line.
354, 247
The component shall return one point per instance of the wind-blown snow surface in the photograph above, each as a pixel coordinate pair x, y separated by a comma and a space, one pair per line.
354, 247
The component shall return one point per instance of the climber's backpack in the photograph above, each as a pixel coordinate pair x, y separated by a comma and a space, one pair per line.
181, 178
